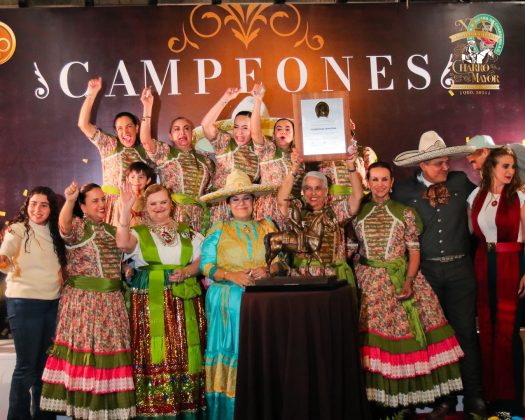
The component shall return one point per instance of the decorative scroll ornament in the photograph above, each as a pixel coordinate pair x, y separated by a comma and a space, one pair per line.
41, 92
245, 22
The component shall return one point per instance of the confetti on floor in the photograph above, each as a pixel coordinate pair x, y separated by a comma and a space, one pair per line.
85, 160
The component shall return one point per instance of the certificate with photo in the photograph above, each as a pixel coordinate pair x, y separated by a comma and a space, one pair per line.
322, 129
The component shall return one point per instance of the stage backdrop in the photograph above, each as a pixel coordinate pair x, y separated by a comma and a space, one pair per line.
454, 68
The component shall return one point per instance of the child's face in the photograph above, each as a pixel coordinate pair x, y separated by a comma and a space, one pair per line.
138, 181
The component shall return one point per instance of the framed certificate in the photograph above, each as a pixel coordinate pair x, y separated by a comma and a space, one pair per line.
322, 125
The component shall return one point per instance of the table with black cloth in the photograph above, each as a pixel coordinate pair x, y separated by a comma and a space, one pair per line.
299, 357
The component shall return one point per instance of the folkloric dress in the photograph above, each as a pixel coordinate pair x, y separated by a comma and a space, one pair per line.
116, 159
188, 176
499, 266
231, 156
409, 352
231, 245
275, 164
168, 325
88, 372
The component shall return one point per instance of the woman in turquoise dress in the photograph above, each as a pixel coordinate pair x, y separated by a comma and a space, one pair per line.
167, 310
233, 257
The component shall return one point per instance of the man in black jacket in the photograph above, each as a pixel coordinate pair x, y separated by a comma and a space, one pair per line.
440, 198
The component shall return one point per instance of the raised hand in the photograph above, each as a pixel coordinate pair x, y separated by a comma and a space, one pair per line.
258, 91
94, 86
230, 94
71, 192
127, 197
147, 97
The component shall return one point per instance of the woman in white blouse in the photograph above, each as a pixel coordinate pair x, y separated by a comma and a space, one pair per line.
497, 216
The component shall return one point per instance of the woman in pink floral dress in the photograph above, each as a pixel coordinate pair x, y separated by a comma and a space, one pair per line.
88, 372
181, 168
116, 152
232, 151
409, 352
275, 158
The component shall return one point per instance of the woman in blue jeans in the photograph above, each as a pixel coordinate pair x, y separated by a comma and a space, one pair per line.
33, 255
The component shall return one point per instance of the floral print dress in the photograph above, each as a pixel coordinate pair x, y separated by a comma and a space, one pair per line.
399, 370
188, 176
88, 373
116, 159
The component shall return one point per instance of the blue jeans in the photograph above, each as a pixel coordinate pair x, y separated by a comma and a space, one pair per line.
33, 323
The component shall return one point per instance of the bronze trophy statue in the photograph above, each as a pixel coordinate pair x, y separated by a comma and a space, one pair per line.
298, 239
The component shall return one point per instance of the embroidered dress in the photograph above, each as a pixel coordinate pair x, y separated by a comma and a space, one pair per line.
231, 156
88, 373
499, 266
167, 325
116, 159
232, 246
275, 164
409, 352
188, 176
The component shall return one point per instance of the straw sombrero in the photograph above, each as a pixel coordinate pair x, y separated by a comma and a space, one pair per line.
238, 183
431, 146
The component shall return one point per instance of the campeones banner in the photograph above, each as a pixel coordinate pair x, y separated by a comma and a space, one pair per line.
454, 68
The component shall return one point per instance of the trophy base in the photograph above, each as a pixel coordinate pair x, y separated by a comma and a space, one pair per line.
296, 283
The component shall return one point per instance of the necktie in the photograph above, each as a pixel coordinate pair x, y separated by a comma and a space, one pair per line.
437, 194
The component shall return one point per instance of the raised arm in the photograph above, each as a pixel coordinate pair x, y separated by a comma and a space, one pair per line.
208, 122
255, 120
84, 118
354, 200
65, 219
125, 240
283, 195
145, 128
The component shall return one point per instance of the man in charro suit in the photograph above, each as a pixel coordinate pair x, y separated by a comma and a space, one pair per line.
440, 198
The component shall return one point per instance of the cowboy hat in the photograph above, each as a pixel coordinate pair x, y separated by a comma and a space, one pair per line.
238, 183
482, 141
431, 146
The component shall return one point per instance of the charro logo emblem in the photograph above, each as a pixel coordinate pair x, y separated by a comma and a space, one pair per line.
474, 65
245, 23
7, 43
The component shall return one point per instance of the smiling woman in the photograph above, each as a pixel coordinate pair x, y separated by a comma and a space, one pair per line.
181, 168
88, 372
33, 255
117, 153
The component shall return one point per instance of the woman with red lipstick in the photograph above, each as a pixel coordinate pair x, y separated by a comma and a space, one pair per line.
275, 158
181, 168
497, 216
232, 151
409, 352
88, 372
33, 255
117, 152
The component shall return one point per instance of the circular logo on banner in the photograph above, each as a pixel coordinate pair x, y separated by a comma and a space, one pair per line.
7, 43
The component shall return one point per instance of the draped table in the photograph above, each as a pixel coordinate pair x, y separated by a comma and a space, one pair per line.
299, 357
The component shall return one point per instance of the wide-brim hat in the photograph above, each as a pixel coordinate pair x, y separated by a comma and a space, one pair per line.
431, 146
238, 183
482, 141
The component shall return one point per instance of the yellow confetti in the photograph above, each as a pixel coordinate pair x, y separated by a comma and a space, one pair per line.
85, 160
25, 193
467, 139
451, 93
2, 213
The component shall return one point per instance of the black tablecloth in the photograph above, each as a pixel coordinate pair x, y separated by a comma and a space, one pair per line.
299, 357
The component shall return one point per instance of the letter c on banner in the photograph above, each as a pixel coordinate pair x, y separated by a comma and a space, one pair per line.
303, 74
64, 73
